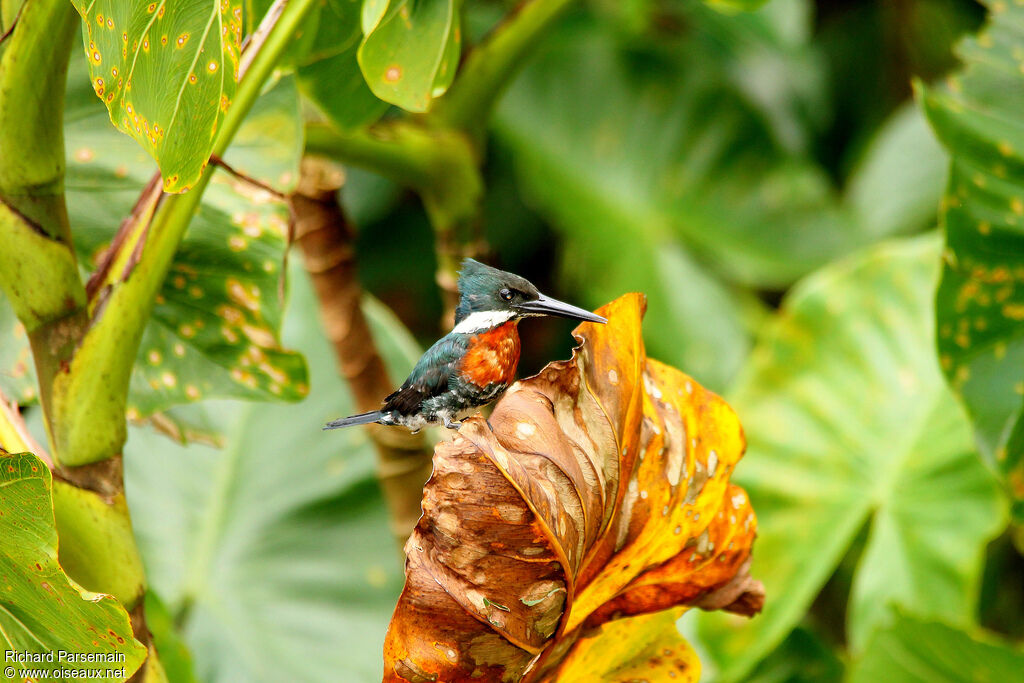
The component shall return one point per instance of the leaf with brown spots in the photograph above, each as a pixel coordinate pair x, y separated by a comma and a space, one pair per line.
214, 331
599, 489
41, 610
980, 303
167, 70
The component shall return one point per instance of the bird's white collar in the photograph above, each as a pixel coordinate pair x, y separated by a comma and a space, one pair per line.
483, 320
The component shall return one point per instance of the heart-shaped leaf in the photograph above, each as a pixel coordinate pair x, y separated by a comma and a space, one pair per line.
913, 650
664, 138
167, 71
410, 55
980, 305
851, 425
214, 329
597, 489
41, 610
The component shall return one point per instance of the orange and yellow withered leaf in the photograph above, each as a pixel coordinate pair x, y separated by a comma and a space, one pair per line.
598, 491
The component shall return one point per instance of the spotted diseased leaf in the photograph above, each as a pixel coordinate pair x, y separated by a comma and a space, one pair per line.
410, 54
980, 303
166, 70
41, 610
598, 489
214, 329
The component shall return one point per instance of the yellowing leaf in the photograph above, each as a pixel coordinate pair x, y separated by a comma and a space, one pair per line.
644, 648
598, 489
166, 69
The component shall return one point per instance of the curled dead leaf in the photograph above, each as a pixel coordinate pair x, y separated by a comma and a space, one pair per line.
599, 489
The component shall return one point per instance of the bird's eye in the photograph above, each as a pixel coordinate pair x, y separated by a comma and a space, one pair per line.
506, 294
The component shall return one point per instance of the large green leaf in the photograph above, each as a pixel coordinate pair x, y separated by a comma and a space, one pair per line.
915, 651
898, 182
980, 305
166, 70
849, 423
41, 610
275, 552
214, 330
669, 136
410, 53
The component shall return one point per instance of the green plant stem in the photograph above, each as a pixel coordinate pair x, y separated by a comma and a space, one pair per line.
94, 393
401, 153
38, 269
490, 67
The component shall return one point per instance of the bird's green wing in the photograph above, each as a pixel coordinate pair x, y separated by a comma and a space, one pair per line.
431, 375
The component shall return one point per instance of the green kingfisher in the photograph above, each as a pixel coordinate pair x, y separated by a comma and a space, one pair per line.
474, 363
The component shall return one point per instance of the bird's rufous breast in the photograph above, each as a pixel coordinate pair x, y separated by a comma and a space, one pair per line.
492, 356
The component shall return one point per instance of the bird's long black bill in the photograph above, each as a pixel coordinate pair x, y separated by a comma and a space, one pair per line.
545, 305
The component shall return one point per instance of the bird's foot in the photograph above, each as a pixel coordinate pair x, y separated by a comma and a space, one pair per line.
452, 424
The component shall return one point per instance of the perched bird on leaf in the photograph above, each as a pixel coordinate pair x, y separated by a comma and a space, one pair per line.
474, 363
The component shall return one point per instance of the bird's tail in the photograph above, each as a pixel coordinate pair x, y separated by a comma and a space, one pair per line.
361, 419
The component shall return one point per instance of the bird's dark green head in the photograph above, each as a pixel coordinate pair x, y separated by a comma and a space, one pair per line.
489, 297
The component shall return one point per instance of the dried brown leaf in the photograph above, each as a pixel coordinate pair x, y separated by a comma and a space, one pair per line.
598, 489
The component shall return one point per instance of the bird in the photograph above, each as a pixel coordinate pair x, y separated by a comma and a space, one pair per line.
474, 363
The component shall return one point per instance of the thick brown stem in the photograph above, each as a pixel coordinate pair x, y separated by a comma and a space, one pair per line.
325, 237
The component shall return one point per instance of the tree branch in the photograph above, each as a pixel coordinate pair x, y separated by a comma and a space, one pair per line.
325, 237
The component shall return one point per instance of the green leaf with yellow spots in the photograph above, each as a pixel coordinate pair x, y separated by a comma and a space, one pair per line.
166, 70
980, 302
17, 370
214, 329
41, 609
263, 558
914, 650
409, 55
851, 428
